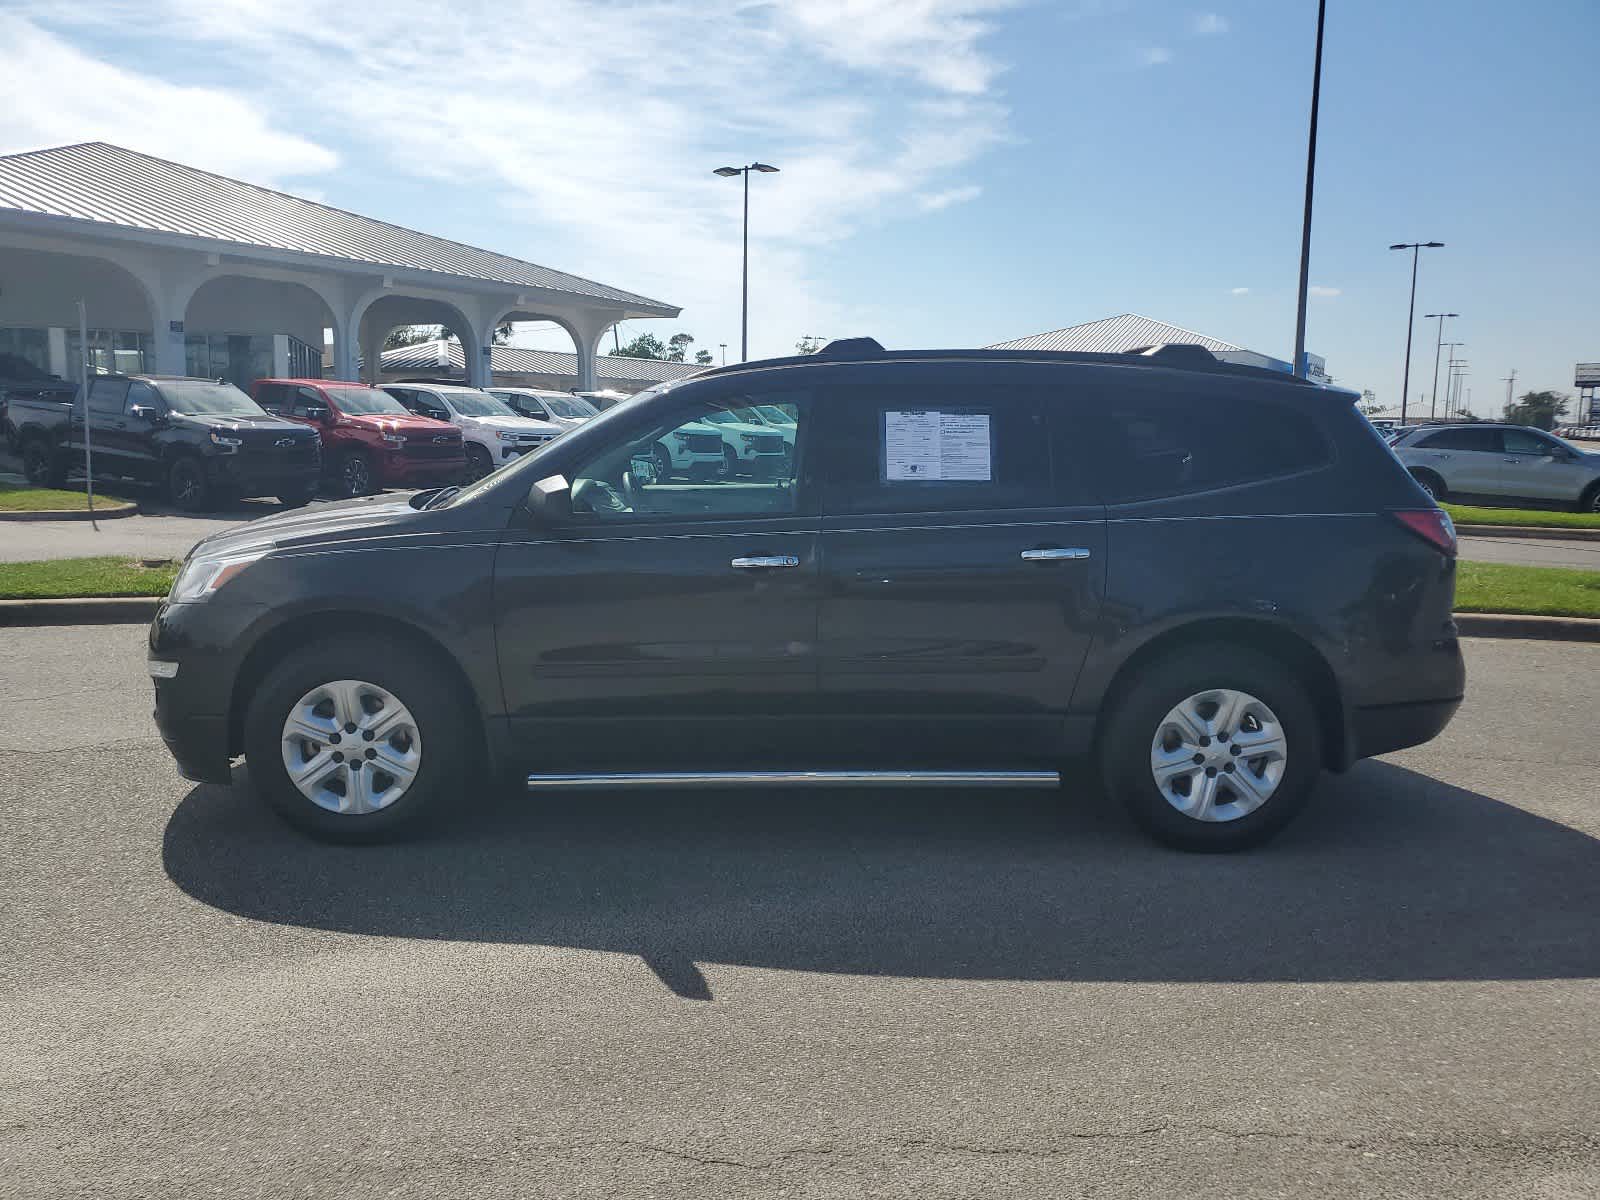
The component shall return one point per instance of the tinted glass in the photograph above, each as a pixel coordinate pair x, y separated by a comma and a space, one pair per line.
106, 396
274, 397
687, 466
141, 393
478, 404
1483, 441
914, 441
1525, 441
1151, 445
568, 406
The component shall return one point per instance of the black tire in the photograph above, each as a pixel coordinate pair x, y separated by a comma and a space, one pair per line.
1432, 484
730, 462
354, 477
187, 487
479, 462
42, 466
298, 497
1132, 726
1590, 501
440, 711
662, 461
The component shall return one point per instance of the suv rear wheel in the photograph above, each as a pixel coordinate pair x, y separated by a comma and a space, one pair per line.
41, 465
1430, 483
355, 739
1590, 502
1213, 748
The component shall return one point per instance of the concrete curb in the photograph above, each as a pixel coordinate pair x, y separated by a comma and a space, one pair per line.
1528, 531
1522, 625
126, 508
90, 610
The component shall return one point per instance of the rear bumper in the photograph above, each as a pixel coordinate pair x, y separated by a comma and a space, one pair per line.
1386, 727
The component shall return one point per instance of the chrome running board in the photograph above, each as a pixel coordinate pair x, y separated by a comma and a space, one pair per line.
726, 779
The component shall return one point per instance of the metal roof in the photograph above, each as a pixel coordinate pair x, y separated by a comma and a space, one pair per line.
1115, 335
109, 185
513, 360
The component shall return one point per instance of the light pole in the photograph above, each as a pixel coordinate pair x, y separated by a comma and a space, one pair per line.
1433, 403
1311, 177
1411, 315
744, 304
724, 346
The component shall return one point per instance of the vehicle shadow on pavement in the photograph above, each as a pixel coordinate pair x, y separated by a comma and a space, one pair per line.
1391, 875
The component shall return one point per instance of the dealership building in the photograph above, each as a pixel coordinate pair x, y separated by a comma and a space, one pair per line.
515, 366
1130, 332
183, 272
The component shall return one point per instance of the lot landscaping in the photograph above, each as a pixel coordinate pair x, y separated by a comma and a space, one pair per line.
1544, 591
109, 575
1466, 514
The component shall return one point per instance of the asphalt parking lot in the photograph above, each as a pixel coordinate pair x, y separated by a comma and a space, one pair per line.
995, 994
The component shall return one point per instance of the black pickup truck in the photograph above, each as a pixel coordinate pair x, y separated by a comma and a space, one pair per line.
198, 438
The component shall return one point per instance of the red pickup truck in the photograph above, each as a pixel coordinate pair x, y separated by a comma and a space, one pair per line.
369, 440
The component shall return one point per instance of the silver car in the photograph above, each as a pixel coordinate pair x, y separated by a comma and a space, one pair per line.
1497, 463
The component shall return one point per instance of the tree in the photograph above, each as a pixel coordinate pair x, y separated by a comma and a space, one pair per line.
703, 357
674, 349
646, 345
410, 335
1539, 409
678, 346
808, 345
1369, 403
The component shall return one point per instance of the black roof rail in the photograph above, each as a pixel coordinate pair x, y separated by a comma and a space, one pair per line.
856, 347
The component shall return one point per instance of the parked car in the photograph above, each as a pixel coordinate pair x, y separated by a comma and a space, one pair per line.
1204, 582
19, 377
559, 408
603, 399
369, 439
750, 446
199, 438
1500, 463
492, 434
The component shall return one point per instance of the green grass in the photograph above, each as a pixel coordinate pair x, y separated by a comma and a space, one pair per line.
1464, 514
1546, 591
31, 499
113, 575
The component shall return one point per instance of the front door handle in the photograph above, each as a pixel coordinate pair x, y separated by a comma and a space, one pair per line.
761, 562
1055, 553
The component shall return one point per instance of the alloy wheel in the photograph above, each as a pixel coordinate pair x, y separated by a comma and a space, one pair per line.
357, 476
1218, 755
36, 464
351, 747
185, 485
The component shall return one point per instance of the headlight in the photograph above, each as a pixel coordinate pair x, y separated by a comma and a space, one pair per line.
202, 576
227, 444
508, 437
394, 439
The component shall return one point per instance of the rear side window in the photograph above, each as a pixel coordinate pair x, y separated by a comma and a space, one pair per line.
1171, 444
914, 443
1486, 441
106, 396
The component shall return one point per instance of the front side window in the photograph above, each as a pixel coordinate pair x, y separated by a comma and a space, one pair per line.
1152, 445
142, 395
1523, 441
106, 397
698, 463
202, 398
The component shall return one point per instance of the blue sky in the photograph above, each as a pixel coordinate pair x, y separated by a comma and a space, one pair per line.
955, 172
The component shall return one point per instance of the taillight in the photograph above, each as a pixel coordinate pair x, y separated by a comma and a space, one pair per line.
1431, 524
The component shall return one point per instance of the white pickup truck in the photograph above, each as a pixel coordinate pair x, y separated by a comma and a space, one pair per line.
491, 433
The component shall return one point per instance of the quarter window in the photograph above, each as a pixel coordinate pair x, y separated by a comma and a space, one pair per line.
712, 461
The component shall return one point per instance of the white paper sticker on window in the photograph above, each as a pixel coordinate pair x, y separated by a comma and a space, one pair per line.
941, 446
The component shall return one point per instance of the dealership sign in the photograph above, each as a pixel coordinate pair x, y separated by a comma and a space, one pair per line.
1587, 375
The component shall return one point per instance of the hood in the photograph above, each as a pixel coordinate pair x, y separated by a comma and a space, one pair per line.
398, 423
264, 423
511, 425
344, 521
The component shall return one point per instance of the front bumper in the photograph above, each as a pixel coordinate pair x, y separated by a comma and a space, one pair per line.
191, 708
404, 472
251, 477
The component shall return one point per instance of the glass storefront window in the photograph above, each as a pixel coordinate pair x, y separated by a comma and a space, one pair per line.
111, 351
242, 358
31, 346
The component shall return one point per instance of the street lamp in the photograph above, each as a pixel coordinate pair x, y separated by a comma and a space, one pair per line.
1433, 402
1311, 178
744, 306
1411, 315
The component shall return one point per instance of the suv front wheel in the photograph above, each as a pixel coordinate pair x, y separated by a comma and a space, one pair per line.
1213, 748
355, 739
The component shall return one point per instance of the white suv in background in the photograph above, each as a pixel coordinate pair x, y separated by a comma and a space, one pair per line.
491, 433
1498, 463
559, 408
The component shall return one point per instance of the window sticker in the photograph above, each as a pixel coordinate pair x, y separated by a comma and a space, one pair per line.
929, 446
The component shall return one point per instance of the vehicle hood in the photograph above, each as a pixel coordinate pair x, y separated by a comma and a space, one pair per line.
396, 423
346, 520
511, 425
266, 423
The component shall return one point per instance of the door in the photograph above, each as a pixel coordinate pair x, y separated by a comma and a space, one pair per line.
1467, 459
963, 564
109, 431
143, 413
668, 622
1539, 467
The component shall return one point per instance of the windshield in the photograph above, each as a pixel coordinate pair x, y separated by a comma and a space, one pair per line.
568, 406
477, 404
774, 414
367, 401
202, 398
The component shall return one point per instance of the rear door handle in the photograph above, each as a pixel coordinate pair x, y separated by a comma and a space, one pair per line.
762, 562
1055, 553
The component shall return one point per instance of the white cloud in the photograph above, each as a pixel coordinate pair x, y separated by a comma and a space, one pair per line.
590, 132
1318, 290
1242, 291
53, 94
1210, 22
1154, 56
934, 201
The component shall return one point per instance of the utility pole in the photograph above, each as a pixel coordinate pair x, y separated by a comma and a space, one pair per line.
1511, 382
1433, 405
1311, 180
724, 346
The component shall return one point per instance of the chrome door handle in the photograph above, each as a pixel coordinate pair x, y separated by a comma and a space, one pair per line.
1055, 553
762, 561
1512, 461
